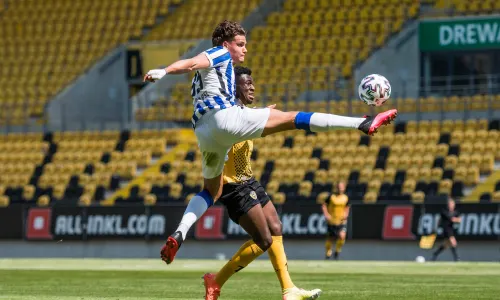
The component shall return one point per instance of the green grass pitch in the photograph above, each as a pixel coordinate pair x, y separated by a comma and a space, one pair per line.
74, 279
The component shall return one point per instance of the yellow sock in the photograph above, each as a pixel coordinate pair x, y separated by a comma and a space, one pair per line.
328, 247
245, 255
278, 259
338, 245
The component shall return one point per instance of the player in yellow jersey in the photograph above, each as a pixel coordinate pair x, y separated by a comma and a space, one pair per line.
249, 205
336, 211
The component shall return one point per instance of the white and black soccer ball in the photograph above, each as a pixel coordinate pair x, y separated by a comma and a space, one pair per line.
374, 89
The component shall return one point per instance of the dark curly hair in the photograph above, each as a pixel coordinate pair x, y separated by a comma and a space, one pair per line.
225, 32
239, 70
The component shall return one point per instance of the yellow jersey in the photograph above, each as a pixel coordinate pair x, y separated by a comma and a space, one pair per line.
336, 205
238, 166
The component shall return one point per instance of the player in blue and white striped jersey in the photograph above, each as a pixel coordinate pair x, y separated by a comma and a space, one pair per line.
219, 123
214, 87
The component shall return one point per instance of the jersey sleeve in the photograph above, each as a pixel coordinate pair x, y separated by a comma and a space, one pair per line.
217, 56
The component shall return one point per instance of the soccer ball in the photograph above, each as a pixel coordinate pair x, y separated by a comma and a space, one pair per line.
374, 90
420, 259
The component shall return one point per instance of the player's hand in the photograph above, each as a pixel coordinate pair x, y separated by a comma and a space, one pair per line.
272, 106
154, 75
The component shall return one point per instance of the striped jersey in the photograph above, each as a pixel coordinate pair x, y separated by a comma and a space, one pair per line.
213, 88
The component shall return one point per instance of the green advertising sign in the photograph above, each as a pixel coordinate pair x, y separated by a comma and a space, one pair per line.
459, 34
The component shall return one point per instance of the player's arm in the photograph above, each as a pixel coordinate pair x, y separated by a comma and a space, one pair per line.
456, 219
182, 66
325, 212
347, 209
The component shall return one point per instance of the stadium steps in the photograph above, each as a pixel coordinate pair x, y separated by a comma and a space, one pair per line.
162, 17
487, 186
187, 136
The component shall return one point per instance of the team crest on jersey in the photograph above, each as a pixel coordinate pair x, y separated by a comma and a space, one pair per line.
253, 195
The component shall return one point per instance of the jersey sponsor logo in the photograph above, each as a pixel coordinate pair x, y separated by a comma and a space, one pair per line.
397, 222
209, 226
473, 224
97, 225
38, 224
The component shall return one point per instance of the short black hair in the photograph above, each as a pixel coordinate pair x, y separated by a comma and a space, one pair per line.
239, 70
225, 32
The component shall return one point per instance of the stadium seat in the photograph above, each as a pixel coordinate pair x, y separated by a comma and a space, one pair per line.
496, 196
4, 201
57, 47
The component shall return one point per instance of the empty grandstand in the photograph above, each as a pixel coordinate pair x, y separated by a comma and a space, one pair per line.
303, 55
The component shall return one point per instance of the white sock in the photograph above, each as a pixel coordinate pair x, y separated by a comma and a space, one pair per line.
197, 206
325, 122
319, 122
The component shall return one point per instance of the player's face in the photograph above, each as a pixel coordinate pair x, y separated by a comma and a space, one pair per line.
341, 187
245, 90
237, 48
451, 205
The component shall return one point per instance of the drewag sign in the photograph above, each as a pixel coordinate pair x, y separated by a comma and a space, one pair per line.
460, 34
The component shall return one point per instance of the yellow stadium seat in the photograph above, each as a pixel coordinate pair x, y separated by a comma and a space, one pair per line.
417, 197
305, 188
463, 159
425, 174
445, 186
436, 174
175, 189
43, 200
4, 201
451, 162
321, 198
409, 186
487, 164
278, 198
374, 185
472, 176
85, 200
370, 197
150, 200
496, 196
28, 192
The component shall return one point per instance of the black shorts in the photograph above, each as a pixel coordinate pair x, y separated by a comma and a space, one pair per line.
334, 230
239, 198
448, 232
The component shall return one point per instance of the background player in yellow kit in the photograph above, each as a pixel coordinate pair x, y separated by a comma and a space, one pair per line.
336, 211
249, 205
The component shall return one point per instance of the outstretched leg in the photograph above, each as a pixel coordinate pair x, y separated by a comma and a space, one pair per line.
279, 121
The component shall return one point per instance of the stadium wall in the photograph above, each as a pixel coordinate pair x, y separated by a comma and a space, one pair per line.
295, 249
97, 96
